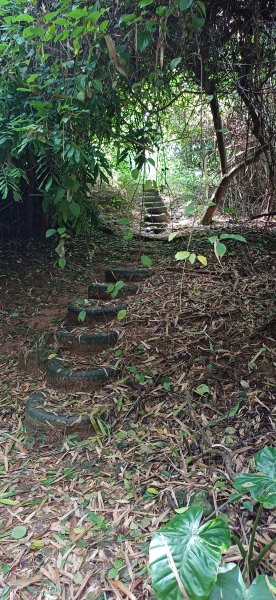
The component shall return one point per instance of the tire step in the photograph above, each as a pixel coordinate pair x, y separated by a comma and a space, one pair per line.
87, 343
99, 291
62, 376
127, 274
103, 313
36, 417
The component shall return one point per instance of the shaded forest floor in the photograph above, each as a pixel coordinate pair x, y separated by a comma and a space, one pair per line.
89, 506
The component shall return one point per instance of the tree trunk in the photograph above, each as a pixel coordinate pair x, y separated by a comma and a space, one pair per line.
225, 182
29, 199
210, 90
215, 109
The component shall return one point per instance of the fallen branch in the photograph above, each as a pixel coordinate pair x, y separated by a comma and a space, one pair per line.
268, 214
225, 182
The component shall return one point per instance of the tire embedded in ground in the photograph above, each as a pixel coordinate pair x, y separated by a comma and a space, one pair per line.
60, 375
99, 291
86, 343
38, 418
103, 313
127, 274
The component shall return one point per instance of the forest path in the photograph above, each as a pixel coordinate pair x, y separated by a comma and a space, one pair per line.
86, 508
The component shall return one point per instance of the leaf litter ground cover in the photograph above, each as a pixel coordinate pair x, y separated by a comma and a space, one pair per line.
195, 402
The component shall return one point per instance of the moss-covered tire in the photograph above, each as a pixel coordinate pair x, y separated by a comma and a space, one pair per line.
99, 291
127, 274
86, 343
99, 314
38, 418
60, 375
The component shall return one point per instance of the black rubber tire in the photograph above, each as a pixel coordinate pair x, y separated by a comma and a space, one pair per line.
103, 313
87, 342
36, 417
60, 375
99, 291
127, 274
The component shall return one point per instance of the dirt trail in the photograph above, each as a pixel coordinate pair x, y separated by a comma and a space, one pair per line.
93, 503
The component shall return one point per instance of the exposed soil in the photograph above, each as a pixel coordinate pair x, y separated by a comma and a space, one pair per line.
93, 503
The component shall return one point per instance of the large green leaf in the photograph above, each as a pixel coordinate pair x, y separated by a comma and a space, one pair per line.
262, 485
262, 588
230, 586
195, 551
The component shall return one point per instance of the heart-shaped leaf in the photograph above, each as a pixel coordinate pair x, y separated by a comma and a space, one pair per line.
262, 485
191, 551
230, 586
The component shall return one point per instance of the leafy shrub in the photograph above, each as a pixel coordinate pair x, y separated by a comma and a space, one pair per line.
185, 556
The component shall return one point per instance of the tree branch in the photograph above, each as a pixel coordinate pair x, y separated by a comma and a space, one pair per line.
225, 182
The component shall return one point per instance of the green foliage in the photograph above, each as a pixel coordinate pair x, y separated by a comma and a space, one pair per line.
60, 249
10, 177
202, 389
261, 485
65, 101
230, 586
195, 552
146, 261
19, 532
185, 557
121, 314
54, 113
219, 247
82, 316
115, 288
191, 257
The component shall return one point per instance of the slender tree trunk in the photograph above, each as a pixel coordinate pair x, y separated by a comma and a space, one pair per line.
217, 121
225, 182
29, 199
215, 109
210, 90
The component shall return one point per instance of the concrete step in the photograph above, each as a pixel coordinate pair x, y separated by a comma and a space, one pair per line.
155, 210
156, 226
156, 218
